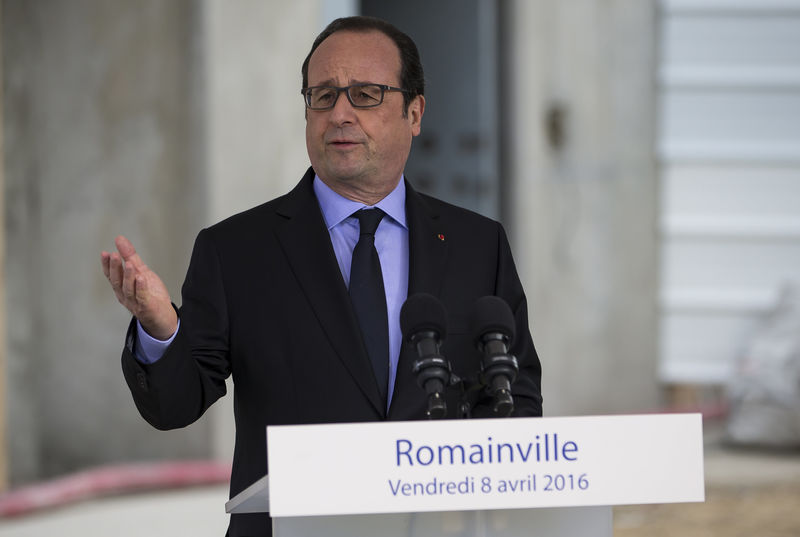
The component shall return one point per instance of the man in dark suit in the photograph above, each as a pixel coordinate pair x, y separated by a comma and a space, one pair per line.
269, 295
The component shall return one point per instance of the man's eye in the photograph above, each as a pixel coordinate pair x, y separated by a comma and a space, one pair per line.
367, 96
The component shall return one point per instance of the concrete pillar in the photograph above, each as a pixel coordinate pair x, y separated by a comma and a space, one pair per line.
3, 351
99, 141
583, 196
254, 141
151, 119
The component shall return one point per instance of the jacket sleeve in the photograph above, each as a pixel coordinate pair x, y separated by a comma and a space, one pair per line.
527, 389
177, 389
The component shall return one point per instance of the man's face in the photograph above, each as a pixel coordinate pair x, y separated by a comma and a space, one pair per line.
359, 152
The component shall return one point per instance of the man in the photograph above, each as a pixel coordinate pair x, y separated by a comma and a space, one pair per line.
272, 294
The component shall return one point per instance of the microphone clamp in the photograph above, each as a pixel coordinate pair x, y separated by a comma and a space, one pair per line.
499, 369
433, 372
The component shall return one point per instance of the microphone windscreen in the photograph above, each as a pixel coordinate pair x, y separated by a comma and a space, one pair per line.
423, 313
491, 314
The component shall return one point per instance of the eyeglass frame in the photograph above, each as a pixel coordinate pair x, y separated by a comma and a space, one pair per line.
346, 89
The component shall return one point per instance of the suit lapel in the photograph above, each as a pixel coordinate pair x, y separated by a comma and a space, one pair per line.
307, 246
427, 257
427, 248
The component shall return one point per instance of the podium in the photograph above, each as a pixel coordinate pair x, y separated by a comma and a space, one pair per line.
554, 477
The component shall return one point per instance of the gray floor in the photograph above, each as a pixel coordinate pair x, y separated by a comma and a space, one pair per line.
197, 512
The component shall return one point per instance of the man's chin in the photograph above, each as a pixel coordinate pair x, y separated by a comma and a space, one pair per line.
345, 174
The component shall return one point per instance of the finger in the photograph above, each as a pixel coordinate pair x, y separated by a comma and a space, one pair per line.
115, 270
105, 260
115, 275
129, 284
141, 290
127, 251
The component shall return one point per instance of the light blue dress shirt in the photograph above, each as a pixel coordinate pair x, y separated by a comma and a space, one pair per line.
391, 242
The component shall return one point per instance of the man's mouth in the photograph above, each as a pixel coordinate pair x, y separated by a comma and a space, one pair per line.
343, 144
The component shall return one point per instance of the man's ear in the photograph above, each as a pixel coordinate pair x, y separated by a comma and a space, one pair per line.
415, 110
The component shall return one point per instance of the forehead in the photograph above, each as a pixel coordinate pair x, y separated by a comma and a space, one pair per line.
346, 57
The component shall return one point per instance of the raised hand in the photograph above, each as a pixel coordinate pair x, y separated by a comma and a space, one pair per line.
139, 289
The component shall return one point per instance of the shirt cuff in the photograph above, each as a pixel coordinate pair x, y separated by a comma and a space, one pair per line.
148, 349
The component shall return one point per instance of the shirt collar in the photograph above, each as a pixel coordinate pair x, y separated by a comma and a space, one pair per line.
336, 208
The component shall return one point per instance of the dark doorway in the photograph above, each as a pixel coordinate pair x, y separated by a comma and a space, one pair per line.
456, 157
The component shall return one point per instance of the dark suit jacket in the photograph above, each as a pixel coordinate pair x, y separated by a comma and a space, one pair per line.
265, 301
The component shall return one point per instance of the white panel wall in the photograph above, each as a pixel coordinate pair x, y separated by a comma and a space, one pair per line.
729, 146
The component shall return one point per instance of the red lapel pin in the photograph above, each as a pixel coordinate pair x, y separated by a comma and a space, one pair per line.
441, 237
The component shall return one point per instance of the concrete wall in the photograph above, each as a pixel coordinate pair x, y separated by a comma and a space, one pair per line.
583, 196
3, 347
151, 119
99, 141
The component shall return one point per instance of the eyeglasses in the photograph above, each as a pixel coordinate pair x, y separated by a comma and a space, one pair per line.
359, 95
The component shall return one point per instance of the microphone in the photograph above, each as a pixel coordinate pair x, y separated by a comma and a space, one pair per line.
492, 325
423, 322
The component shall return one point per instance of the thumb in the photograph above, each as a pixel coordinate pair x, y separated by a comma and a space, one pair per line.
127, 251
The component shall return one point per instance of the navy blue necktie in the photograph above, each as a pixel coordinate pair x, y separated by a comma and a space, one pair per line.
369, 297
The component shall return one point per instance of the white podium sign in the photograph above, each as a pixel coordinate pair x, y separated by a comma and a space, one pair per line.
457, 465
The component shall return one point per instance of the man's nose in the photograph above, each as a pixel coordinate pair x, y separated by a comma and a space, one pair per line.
342, 111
